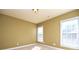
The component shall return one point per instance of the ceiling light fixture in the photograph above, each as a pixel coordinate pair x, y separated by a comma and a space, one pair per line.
35, 10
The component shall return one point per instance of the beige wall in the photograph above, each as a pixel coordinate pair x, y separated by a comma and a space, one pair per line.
52, 28
13, 30
0, 31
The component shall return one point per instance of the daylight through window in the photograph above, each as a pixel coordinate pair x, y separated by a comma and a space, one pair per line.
70, 33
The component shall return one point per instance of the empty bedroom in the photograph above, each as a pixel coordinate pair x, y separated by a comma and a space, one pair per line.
39, 29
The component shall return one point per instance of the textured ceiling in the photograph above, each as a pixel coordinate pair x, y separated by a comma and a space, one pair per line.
29, 15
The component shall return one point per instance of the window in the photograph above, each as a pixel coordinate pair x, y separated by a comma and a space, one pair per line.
70, 33
40, 34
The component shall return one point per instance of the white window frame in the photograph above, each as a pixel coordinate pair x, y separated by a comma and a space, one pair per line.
73, 47
40, 40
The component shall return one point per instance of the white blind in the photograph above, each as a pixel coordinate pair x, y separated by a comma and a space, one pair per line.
70, 33
40, 34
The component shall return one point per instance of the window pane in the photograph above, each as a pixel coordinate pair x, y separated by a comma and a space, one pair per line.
40, 34
70, 33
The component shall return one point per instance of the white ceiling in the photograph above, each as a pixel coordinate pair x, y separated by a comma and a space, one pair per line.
29, 15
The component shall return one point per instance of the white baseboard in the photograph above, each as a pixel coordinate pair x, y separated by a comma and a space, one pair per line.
51, 46
20, 46
34, 44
